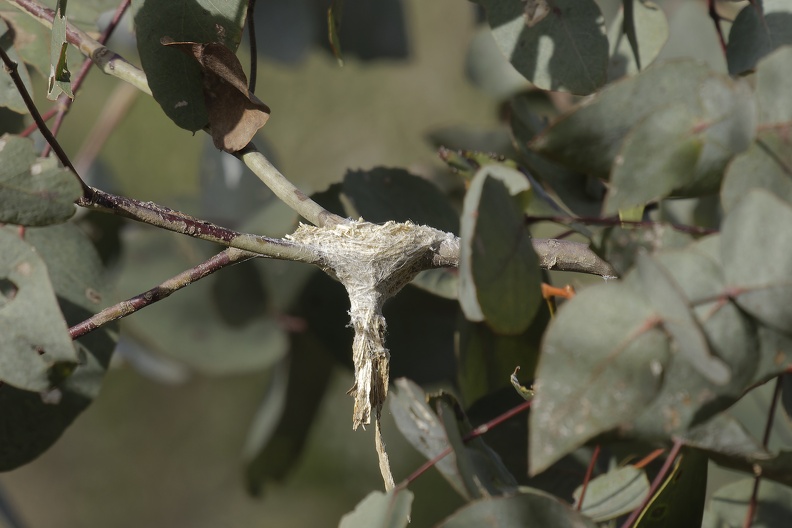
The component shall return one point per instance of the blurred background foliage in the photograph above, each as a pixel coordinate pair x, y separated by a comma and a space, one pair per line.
177, 433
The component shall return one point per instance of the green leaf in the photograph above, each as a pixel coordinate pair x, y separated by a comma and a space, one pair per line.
175, 79
690, 146
638, 179
589, 138
529, 508
613, 494
9, 94
721, 335
756, 251
772, 80
284, 419
490, 71
729, 505
767, 164
29, 423
636, 36
36, 343
443, 282
383, 194
680, 499
424, 430
602, 363
380, 510
334, 13
565, 50
59, 75
726, 436
33, 191
481, 468
499, 270
668, 298
189, 326
757, 31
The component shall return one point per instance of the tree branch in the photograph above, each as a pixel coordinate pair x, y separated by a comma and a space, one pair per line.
178, 222
225, 258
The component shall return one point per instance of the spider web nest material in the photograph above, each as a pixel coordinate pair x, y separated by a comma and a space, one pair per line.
374, 262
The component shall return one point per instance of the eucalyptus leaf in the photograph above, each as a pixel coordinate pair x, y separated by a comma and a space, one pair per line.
529, 508
729, 505
564, 50
757, 31
9, 93
756, 251
636, 36
33, 191
29, 423
602, 364
614, 493
495, 245
37, 351
380, 510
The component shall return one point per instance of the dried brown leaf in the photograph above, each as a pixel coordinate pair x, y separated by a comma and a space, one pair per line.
235, 114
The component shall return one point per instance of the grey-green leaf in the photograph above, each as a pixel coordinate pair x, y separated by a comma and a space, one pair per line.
757, 31
37, 352
602, 364
756, 251
566, 50
614, 493
529, 508
33, 191
380, 510
499, 270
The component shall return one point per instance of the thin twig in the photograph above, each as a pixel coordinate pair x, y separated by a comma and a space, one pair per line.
658, 480
253, 51
64, 101
614, 221
475, 433
225, 258
752, 503
178, 222
587, 478
716, 19
12, 69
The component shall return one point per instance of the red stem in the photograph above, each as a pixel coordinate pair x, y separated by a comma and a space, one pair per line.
587, 478
658, 480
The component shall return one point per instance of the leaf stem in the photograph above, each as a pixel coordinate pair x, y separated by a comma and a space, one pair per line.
587, 477
225, 258
752, 503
